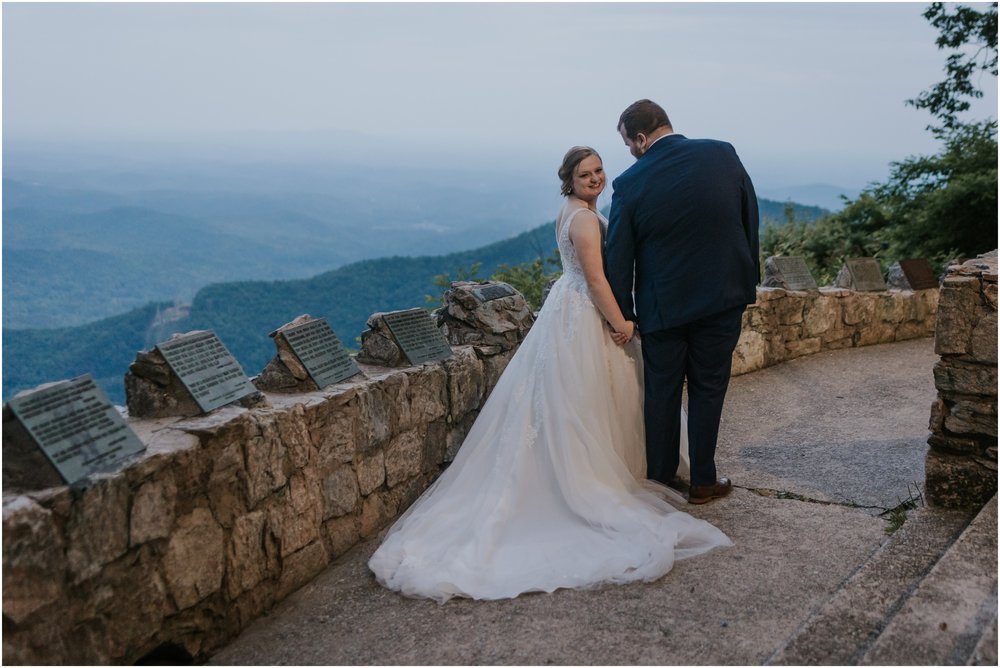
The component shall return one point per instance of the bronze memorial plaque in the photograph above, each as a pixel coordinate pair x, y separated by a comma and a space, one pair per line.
488, 293
417, 335
77, 428
321, 352
919, 274
866, 275
794, 273
208, 370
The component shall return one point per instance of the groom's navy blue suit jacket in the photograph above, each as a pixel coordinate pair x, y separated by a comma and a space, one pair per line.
684, 218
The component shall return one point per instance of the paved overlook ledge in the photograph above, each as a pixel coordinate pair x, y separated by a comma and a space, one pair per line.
825, 451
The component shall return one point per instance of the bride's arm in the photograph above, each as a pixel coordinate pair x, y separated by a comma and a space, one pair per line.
585, 233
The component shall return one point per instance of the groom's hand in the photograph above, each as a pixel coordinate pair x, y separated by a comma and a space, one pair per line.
623, 337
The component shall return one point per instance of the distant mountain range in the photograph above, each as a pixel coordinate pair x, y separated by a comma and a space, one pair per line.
92, 245
818, 194
74, 253
242, 313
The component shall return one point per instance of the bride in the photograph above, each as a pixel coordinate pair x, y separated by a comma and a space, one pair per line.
548, 490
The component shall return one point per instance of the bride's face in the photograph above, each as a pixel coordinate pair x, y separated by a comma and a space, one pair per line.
588, 178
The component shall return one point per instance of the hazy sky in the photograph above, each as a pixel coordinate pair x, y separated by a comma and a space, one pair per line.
806, 92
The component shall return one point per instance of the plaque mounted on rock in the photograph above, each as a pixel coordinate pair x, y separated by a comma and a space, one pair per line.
790, 273
207, 369
484, 315
919, 274
488, 293
418, 336
320, 351
77, 428
865, 274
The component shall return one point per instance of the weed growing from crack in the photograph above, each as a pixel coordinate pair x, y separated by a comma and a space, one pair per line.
897, 516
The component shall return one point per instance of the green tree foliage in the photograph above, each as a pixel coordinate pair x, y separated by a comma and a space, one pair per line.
972, 36
940, 206
937, 207
531, 278
444, 281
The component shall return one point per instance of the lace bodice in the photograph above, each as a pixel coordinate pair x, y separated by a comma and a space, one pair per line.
570, 262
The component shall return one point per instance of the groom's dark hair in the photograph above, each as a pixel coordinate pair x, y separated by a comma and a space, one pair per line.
643, 116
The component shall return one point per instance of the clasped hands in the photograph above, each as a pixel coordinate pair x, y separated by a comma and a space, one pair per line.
623, 337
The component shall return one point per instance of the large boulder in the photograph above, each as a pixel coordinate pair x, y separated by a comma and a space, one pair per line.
484, 313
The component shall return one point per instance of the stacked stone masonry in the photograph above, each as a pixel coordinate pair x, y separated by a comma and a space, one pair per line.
961, 465
785, 324
228, 513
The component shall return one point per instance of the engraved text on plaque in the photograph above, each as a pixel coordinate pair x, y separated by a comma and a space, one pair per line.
794, 273
209, 372
491, 292
866, 275
320, 352
77, 428
418, 336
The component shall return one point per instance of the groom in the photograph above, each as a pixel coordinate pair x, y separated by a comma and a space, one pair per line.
683, 226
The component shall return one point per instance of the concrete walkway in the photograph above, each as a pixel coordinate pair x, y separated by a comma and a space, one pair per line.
818, 448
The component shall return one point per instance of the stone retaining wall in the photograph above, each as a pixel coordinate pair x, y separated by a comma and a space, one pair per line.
961, 466
226, 514
786, 324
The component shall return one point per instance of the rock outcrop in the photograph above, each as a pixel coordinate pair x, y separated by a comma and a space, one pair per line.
486, 313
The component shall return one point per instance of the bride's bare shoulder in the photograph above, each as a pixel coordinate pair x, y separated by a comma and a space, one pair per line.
583, 221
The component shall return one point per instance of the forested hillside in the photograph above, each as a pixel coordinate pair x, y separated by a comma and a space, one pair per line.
104, 349
243, 314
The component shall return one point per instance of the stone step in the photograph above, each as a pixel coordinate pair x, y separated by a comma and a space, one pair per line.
948, 618
844, 627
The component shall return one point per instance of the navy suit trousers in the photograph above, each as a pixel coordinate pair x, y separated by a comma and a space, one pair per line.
702, 352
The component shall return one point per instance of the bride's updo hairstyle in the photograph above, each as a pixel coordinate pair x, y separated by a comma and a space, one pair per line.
573, 157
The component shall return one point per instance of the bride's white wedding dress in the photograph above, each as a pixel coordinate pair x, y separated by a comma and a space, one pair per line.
548, 490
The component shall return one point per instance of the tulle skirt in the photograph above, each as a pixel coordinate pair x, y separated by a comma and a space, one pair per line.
548, 489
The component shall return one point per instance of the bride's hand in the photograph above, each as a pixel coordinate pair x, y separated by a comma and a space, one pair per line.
621, 338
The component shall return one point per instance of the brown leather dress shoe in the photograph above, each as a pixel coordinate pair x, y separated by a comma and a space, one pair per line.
705, 493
